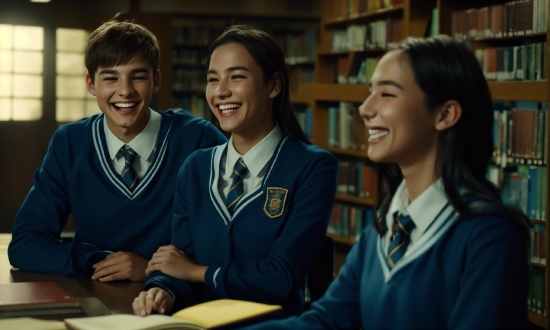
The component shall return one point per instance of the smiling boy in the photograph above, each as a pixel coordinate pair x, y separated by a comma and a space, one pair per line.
115, 172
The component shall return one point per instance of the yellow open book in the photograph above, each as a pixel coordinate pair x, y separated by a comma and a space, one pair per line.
208, 315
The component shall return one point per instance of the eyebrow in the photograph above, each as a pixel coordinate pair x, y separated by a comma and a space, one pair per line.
233, 68
387, 83
112, 71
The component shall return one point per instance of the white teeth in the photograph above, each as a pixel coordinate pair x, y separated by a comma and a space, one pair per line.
228, 107
125, 105
377, 133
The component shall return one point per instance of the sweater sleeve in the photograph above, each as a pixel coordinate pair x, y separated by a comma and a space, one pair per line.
35, 244
496, 271
338, 308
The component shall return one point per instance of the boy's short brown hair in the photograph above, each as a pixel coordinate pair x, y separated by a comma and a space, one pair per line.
115, 43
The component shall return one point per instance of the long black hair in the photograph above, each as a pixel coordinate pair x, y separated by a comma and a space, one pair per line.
270, 57
447, 70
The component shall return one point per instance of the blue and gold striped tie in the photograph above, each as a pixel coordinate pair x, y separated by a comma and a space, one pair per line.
129, 175
236, 191
403, 227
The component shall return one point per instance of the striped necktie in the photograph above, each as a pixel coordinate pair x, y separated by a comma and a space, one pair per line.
403, 226
236, 191
129, 175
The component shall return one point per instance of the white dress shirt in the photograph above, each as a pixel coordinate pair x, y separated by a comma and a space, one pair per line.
144, 145
423, 210
256, 160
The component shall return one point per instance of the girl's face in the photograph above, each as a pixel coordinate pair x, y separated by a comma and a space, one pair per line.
237, 94
401, 130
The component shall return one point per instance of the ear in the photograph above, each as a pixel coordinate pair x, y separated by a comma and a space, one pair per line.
90, 85
448, 115
276, 85
156, 82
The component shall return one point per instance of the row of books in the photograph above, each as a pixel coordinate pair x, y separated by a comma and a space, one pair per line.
300, 75
346, 129
523, 62
304, 117
536, 300
356, 178
372, 35
523, 186
196, 34
342, 9
520, 132
189, 79
195, 104
513, 18
298, 47
537, 242
349, 220
189, 56
354, 69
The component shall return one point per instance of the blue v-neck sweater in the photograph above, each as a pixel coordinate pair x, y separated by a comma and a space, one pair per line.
76, 176
461, 274
263, 251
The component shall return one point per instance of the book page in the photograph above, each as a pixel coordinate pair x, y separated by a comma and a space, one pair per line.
224, 311
21, 323
129, 322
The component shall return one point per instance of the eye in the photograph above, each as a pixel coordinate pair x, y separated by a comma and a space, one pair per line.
212, 80
237, 76
140, 78
109, 79
387, 95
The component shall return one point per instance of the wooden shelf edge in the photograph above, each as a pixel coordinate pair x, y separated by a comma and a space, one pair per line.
343, 239
519, 90
366, 201
361, 16
538, 319
336, 92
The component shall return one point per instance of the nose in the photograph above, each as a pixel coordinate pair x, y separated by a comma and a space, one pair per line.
366, 109
125, 87
222, 90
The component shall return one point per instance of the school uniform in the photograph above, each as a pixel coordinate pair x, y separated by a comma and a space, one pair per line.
263, 250
470, 273
80, 176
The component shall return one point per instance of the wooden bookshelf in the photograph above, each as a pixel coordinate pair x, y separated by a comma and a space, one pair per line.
416, 16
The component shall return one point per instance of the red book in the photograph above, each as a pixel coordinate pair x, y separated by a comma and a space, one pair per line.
36, 298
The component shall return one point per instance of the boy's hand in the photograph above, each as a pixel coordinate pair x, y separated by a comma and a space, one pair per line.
120, 266
172, 261
153, 300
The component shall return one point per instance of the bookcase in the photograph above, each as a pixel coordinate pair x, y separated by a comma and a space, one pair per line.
352, 35
510, 40
193, 34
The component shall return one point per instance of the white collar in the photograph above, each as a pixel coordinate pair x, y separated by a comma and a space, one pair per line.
257, 157
144, 143
423, 210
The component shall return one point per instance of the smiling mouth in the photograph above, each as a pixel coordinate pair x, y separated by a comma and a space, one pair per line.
124, 106
228, 108
377, 133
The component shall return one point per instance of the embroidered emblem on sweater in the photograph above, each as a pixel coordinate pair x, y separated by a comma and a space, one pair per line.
275, 201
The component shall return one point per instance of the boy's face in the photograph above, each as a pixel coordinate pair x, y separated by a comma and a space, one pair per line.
123, 94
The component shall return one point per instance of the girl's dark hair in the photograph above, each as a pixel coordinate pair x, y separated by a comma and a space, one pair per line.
447, 70
115, 43
269, 56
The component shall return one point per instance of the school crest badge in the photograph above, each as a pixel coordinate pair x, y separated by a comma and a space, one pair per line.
275, 201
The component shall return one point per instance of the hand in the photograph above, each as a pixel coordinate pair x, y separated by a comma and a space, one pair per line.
153, 300
171, 261
120, 266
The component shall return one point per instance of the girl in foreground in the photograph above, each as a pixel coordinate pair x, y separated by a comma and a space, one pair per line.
256, 244
461, 262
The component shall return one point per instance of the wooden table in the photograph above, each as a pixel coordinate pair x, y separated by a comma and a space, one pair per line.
96, 298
